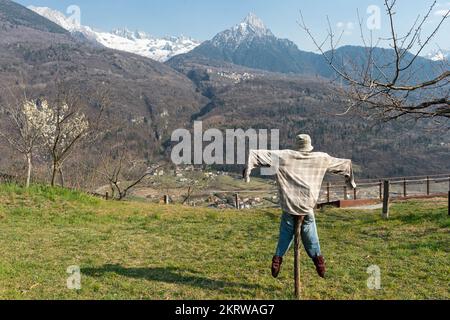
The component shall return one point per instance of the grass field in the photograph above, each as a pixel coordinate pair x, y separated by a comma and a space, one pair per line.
134, 250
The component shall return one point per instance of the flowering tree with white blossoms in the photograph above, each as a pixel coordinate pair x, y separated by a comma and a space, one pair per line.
22, 130
54, 129
61, 128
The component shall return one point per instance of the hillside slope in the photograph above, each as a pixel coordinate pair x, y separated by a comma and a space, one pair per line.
249, 98
129, 250
17, 15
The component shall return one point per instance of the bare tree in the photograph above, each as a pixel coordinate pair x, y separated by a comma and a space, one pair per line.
390, 90
193, 186
122, 170
119, 166
20, 129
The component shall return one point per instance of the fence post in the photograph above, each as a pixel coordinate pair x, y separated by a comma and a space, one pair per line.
355, 193
236, 200
166, 199
386, 199
345, 193
381, 190
328, 192
428, 186
107, 195
405, 194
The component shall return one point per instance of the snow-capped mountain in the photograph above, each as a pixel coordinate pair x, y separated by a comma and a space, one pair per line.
57, 17
160, 49
439, 55
251, 44
250, 28
131, 35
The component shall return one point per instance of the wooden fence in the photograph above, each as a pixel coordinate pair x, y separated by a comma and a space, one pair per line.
368, 191
374, 190
400, 187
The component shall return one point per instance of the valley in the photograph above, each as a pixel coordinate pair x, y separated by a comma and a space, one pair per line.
239, 79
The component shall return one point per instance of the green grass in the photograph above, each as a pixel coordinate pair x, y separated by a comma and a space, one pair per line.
134, 250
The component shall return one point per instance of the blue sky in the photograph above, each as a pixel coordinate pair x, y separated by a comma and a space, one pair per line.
202, 19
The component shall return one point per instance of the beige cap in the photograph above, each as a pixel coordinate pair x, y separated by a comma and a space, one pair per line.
304, 143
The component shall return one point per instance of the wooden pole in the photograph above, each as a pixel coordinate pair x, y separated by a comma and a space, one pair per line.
328, 192
405, 194
355, 194
381, 190
236, 200
428, 186
107, 195
297, 239
166, 199
386, 199
345, 193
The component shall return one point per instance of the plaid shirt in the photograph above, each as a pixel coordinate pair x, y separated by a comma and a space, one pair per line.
299, 176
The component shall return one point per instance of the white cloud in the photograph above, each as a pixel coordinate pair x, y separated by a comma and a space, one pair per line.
441, 13
346, 27
445, 5
442, 9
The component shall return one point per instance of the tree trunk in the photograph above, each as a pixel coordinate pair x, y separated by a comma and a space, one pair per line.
113, 191
61, 177
54, 171
29, 168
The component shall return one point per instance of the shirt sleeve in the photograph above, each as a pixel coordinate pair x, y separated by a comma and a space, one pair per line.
342, 167
258, 159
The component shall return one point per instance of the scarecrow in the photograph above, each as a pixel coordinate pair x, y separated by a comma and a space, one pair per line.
299, 175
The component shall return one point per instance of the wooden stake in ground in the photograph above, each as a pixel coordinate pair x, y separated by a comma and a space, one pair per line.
386, 199
297, 240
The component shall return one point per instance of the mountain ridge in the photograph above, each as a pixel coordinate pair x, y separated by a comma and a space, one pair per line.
251, 44
137, 42
20, 15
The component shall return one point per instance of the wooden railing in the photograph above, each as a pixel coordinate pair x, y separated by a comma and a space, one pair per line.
374, 188
369, 189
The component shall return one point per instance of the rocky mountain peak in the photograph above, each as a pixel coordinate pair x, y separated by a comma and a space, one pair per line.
130, 35
250, 28
255, 23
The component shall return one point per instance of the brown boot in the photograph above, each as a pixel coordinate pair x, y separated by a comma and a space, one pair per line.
319, 262
276, 266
